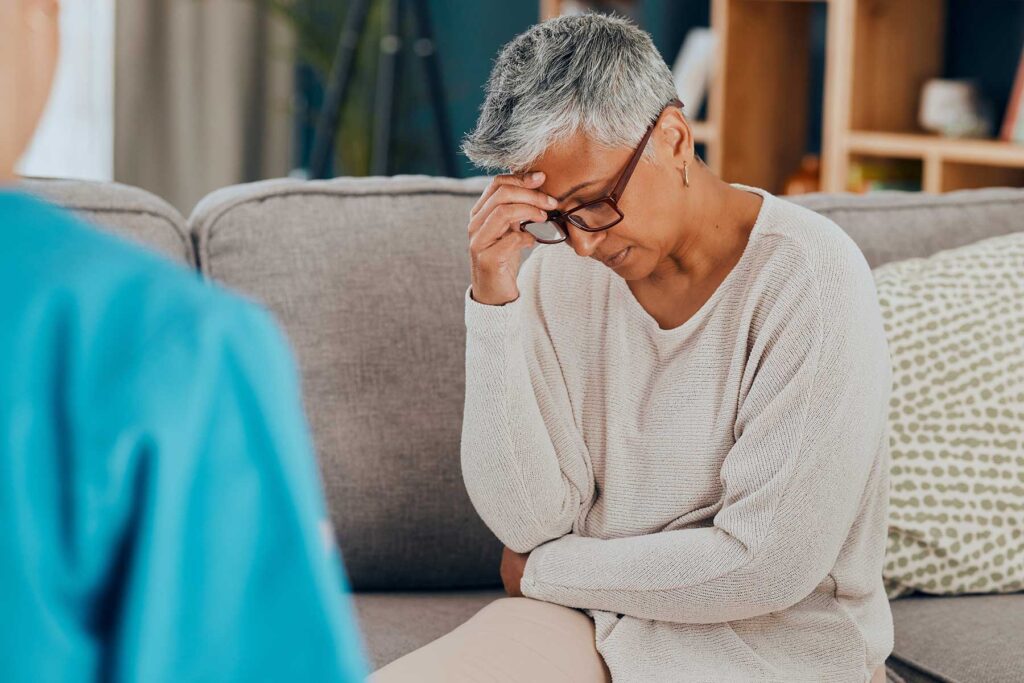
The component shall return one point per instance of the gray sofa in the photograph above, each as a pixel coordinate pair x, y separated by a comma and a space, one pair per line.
366, 275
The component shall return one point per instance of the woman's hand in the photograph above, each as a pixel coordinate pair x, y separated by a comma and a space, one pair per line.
495, 239
512, 566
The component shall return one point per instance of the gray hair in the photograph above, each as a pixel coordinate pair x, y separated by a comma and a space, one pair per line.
595, 73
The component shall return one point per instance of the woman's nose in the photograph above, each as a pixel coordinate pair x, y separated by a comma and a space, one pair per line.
584, 242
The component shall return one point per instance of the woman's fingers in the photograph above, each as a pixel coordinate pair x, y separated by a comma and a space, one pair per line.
506, 181
505, 218
496, 182
511, 194
503, 251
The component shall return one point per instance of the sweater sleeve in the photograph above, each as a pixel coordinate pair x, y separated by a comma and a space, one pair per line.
810, 425
523, 459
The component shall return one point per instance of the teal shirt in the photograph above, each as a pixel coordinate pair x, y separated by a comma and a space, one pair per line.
161, 516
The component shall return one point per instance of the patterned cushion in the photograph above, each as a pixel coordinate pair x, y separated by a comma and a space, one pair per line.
955, 325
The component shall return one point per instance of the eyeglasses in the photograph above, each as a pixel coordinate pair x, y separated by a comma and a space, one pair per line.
595, 215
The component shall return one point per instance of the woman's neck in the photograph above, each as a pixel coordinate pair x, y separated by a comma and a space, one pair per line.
717, 227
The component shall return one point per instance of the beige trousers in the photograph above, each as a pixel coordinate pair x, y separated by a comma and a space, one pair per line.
508, 641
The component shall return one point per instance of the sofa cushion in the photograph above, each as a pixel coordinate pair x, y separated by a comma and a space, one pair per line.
955, 325
984, 631
123, 210
962, 639
367, 277
890, 225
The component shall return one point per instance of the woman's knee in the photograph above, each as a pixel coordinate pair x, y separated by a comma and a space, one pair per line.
508, 637
526, 618
548, 612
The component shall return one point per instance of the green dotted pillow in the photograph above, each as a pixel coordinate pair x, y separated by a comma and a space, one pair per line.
955, 327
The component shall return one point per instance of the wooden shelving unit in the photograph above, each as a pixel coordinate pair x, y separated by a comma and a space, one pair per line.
878, 55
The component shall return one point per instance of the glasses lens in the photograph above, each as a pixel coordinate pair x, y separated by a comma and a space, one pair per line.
594, 216
548, 231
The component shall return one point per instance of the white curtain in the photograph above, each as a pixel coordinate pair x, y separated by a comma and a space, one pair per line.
203, 98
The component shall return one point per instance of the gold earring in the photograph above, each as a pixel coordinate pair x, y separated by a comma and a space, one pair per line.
686, 175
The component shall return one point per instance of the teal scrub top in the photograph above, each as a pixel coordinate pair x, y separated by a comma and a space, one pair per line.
161, 515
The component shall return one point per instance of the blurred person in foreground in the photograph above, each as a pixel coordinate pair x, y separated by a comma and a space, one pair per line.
162, 514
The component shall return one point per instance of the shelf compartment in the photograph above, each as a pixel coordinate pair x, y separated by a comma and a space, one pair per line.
956, 175
897, 47
760, 90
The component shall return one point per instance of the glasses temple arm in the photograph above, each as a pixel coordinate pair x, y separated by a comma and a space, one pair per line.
628, 171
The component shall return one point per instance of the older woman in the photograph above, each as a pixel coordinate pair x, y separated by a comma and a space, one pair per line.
675, 409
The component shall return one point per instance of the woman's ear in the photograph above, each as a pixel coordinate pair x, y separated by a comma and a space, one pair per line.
676, 136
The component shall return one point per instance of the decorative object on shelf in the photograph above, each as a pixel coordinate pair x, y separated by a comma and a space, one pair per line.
1013, 122
805, 179
693, 67
866, 175
955, 108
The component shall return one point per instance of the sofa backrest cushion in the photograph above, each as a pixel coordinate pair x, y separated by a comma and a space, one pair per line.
890, 225
124, 210
367, 276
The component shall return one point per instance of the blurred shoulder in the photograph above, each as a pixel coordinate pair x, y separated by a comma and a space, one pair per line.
112, 298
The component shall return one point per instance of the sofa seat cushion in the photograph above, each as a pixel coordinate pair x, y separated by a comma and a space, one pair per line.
958, 639
961, 638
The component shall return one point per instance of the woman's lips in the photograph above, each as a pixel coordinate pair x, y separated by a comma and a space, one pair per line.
618, 258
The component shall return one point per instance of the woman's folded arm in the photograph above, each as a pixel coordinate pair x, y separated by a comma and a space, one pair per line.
809, 430
521, 453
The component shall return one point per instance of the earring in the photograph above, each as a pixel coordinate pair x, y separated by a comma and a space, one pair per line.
686, 175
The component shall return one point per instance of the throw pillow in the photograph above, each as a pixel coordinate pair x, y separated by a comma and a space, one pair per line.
955, 326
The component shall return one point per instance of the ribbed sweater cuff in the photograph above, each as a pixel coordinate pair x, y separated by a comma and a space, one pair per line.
491, 322
530, 584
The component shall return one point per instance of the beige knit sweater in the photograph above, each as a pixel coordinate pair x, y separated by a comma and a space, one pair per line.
715, 495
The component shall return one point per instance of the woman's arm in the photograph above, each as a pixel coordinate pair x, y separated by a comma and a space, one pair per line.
810, 430
523, 459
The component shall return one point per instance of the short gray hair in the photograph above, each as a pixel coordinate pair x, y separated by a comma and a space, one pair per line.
595, 73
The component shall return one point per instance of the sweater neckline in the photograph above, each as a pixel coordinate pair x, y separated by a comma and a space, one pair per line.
648, 321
